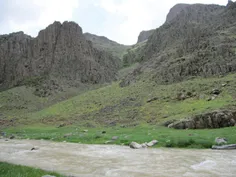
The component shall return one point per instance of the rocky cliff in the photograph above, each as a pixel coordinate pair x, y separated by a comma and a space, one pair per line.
144, 35
199, 41
60, 52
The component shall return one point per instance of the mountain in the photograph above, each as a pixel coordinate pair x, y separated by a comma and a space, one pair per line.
103, 43
144, 35
199, 41
59, 54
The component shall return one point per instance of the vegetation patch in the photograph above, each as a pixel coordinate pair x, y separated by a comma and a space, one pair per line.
142, 133
10, 170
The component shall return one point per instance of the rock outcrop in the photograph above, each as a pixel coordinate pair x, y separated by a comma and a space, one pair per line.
174, 11
215, 119
199, 41
144, 35
60, 53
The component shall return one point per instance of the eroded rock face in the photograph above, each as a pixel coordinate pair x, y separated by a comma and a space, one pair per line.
59, 52
215, 119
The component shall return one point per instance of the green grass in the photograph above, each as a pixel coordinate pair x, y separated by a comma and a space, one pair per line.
142, 133
10, 170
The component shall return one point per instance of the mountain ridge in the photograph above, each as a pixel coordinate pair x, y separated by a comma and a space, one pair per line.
200, 41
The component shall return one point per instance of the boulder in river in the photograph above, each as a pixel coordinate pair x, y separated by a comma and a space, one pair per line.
225, 147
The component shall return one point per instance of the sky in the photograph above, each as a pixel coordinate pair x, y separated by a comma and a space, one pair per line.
119, 20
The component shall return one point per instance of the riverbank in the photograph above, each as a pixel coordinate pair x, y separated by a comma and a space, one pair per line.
166, 137
11, 170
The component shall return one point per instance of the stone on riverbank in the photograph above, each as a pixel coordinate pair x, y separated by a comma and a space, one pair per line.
225, 147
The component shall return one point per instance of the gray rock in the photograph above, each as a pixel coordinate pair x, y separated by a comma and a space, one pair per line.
225, 147
144, 145
220, 141
152, 143
224, 85
115, 138
215, 91
12, 137
85, 131
48, 176
152, 99
135, 145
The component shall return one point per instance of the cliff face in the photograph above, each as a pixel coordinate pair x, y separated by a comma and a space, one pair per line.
144, 35
59, 52
199, 41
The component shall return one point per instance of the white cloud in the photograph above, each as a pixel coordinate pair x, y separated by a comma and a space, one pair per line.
139, 15
47, 11
120, 20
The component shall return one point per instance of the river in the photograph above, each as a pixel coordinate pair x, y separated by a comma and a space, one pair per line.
118, 161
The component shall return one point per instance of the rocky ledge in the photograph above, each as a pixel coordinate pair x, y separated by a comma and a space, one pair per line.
215, 119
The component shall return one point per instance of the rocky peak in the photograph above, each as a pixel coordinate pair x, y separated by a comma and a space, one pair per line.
144, 35
231, 4
174, 11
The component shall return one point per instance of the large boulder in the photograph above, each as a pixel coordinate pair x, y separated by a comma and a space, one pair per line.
135, 145
215, 119
220, 141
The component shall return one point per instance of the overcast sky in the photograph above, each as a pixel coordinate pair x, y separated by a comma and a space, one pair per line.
119, 20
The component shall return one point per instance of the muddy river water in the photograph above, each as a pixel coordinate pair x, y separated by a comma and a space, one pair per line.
118, 161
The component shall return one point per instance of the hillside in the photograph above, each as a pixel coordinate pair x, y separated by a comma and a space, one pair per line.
103, 43
59, 55
200, 41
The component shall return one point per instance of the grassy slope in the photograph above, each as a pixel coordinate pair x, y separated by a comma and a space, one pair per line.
9, 170
129, 104
118, 110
